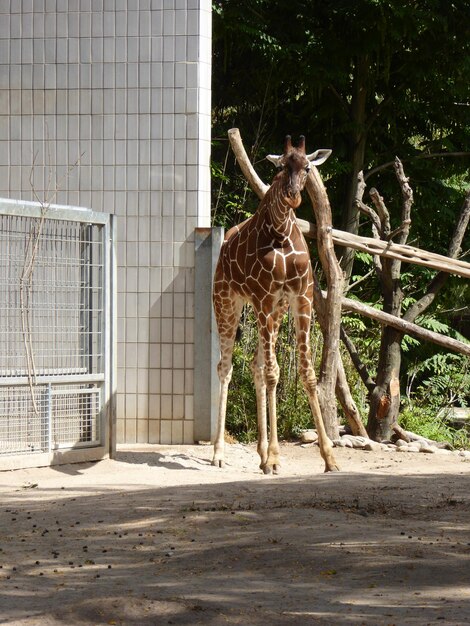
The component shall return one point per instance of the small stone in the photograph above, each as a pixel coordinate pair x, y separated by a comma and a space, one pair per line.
372, 446
309, 436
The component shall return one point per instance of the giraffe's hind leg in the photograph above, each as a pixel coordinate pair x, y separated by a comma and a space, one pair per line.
228, 308
302, 316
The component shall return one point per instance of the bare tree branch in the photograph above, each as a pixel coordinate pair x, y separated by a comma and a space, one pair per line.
357, 361
382, 212
406, 327
244, 162
440, 279
407, 201
436, 155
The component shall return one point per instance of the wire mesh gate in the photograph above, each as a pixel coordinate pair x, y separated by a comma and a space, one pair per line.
56, 325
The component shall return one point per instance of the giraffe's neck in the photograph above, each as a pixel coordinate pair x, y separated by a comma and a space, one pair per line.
278, 215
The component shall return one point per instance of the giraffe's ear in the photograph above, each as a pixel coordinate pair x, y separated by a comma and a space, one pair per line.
276, 159
319, 156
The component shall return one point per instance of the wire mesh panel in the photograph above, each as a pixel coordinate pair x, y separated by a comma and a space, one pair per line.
51, 299
62, 416
53, 325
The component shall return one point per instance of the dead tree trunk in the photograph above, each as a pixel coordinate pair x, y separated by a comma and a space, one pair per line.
332, 308
343, 392
385, 396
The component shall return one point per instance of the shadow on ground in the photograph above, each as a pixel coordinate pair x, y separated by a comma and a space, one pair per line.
324, 549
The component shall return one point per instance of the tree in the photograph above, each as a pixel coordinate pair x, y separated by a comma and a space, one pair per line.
385, 390
369, 79
349, 75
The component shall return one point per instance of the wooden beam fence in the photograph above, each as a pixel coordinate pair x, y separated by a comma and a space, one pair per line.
405, 253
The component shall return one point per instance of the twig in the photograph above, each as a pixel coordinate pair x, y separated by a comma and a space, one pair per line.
27, 274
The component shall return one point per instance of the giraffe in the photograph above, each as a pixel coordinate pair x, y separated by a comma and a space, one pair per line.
265, 262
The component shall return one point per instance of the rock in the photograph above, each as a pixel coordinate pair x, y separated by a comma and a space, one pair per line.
309, 436
401, 444
425, 447
407, 447
465, 454
342, 443
372, 446
356, 441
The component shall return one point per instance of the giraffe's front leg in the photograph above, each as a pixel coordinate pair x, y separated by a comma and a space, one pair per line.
257, 369
324, 442
268, 329
219, 444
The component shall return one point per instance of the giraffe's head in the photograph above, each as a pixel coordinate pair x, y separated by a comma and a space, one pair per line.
295, 166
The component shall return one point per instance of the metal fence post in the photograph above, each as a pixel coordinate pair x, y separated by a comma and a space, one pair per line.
206, 344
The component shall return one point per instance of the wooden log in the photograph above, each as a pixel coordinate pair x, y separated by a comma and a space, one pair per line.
407, 328
331, 305
405, 253
244, 162
409, 437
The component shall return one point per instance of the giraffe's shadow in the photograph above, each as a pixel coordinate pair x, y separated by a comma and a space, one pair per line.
157, 459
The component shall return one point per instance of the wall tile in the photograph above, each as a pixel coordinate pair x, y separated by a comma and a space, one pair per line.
121, 83
165, 425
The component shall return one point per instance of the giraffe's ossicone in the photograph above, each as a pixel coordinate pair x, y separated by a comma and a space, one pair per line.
265, 262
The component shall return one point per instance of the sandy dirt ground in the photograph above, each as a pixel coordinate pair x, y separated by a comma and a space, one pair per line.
158, 536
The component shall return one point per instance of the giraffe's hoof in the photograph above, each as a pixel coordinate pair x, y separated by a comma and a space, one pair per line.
332, 468
267, 469
218, 463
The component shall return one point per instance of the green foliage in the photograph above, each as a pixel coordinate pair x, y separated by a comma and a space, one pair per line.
434, 386
292, 405
343, 72
422, 421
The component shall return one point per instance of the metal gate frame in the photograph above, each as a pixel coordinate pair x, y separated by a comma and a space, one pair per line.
105, 381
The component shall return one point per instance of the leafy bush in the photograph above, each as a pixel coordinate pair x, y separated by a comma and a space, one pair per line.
293, 409
444, 382
422, 421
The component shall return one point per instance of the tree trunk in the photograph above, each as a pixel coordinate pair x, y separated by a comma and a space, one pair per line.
385, 398
331, 328
350, 220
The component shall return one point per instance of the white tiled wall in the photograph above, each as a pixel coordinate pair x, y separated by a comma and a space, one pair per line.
109, 101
